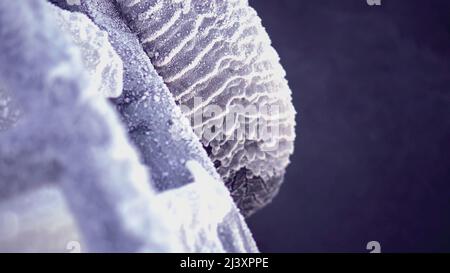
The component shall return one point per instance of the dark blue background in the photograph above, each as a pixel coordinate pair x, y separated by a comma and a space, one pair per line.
372, 89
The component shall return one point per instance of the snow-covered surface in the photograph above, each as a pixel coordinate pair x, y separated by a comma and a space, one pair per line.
98, 57
102, 63
9, 110
41, 221
37, 221
197, 209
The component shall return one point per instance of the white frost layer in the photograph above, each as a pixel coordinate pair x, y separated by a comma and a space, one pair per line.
98, 56
197, 209
40, 221
37, 221
9, 112
76, 134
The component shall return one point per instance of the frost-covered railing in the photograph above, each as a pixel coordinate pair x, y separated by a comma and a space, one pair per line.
69, 176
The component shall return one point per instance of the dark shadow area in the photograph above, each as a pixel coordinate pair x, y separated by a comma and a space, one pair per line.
372, 89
